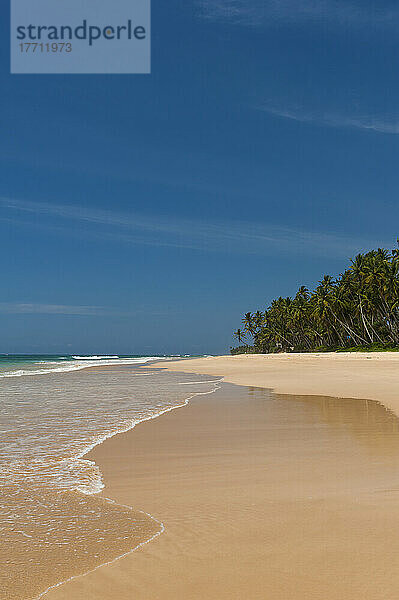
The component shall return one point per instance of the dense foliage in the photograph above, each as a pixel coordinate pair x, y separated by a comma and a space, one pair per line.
360, 308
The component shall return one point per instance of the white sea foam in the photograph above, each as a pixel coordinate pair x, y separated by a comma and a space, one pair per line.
100, 357
75, 365
197, 382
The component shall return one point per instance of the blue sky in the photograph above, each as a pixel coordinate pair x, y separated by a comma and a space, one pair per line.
145, 214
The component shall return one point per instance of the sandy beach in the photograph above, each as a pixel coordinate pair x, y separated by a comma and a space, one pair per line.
262, 495
363, 375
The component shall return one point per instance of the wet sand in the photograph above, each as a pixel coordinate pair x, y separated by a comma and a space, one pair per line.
262, 496
371, 375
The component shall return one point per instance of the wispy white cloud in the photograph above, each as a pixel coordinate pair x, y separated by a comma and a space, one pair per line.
353, 14
211, 236
330, 119
50, 309
266, 12
31, 308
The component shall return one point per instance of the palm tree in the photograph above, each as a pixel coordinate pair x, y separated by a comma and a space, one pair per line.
239, 334
360, 306
248, 323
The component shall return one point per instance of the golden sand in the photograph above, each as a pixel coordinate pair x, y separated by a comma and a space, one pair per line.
262, 496
371, 375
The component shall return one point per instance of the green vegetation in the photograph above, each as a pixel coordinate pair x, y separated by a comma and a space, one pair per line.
358, 311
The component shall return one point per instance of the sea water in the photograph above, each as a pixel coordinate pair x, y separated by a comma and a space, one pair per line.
54, 409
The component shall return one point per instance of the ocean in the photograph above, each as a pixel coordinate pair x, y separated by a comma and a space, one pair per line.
54, 409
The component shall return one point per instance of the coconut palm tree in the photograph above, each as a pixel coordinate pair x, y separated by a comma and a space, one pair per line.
239, 334
359, 307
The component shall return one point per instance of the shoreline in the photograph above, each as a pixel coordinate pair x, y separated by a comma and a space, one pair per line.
86, 455
110, 562
56, 534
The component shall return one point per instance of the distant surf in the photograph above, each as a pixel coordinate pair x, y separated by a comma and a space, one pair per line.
10, 365
93, 357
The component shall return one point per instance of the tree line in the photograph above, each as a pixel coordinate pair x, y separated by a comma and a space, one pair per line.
359, 308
